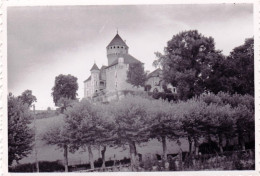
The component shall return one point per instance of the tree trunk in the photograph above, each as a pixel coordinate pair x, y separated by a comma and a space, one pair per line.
132, 154
242, 141
190, 145
65, 154
220, 138
91, 160
103, 156
196, 146
164, 148
227, 141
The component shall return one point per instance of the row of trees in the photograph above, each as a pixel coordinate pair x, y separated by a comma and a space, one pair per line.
134, 120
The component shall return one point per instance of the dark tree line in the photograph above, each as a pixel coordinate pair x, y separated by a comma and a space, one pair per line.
192, 64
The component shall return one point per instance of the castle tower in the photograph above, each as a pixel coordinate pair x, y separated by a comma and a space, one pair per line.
95, 78
115, 49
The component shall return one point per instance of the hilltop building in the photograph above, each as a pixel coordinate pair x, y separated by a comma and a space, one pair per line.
155, 83
111, 79
108, 81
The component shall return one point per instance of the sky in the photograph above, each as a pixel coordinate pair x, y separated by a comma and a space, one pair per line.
45, 41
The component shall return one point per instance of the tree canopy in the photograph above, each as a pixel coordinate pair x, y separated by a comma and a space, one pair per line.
27, 97
192, 64
136, 74
186, 62
65, 86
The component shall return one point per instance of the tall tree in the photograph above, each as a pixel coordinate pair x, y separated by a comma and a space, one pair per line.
186, 62
242, 58
191, 113
130, 123
234, 74
66, 86
84, 127
163, 123
27, 97
20, 136
136, 74
105, 134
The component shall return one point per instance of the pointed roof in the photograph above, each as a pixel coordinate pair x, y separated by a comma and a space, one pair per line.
117, 40
155, 73
128, 59
94, 67
89, 78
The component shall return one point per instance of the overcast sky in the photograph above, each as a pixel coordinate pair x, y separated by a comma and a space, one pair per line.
44, 42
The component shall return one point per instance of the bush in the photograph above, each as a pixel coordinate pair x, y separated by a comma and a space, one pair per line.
44, 166
209, 148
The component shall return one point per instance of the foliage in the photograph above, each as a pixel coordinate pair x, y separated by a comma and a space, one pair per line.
63, 103
20, 136
65, 86
86, 126
163, 122
136, 74
27, 97
130, 123
186, 62
191, 63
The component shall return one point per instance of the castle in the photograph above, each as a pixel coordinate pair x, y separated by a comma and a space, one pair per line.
106, 82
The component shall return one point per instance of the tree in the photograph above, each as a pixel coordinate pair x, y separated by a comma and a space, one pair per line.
27, 97
66, 86
186, 62
136, 74
130, 123
57, 135
230, 115
242, 62
20, 136
63, 103
163, 122
105, 135
84, 127
191, 113
219, 121
235, 73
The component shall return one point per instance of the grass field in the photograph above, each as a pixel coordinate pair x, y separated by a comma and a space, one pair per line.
52, 153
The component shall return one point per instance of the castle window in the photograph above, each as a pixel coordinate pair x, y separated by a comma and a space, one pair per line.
111, 47
117, 46
114, 47
122, 47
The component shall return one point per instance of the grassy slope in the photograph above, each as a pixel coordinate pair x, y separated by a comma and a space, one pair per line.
52, 153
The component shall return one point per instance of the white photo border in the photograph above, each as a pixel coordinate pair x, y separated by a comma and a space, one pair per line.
4, 4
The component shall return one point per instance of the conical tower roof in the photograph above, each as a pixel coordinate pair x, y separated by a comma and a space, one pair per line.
117, 40
94, 67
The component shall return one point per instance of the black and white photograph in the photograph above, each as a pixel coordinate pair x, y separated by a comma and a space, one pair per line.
131, 88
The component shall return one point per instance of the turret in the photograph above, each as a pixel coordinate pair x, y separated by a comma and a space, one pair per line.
115, 49
95, 77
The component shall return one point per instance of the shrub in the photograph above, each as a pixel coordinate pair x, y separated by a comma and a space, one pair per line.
44, 166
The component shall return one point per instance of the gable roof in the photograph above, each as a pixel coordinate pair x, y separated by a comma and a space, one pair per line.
155, 73
128, 59
117, 40
94, 67
89, 78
